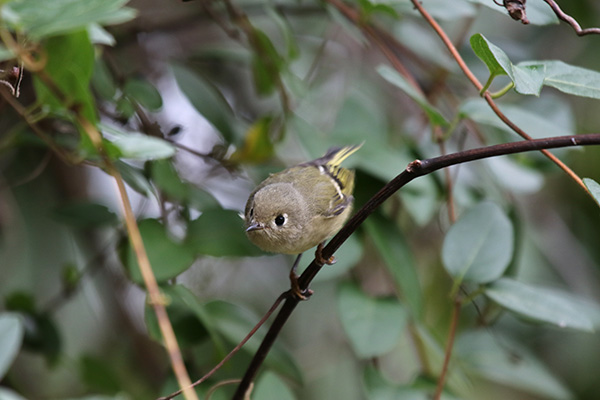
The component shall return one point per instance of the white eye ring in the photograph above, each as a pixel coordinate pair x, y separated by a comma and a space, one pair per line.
280, 220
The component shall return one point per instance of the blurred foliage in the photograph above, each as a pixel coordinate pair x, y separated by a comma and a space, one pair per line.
198, 101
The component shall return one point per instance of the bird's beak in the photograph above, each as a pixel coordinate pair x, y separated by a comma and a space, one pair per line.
255, 226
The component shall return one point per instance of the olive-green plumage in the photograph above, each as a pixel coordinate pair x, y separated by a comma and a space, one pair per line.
300, 207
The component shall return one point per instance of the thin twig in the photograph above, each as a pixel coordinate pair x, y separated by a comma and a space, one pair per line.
448, 353
570, 20
414, 170
236, 348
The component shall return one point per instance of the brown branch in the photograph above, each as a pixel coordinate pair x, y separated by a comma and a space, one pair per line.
570, 20
414, 170
448, 353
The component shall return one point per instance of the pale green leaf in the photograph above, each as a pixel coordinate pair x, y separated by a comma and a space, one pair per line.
540, 304
373, 325
479, 246
594, 188
392, 76
43, 18
11, 336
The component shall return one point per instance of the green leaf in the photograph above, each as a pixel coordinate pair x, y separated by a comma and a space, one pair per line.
144, 93
392, 76
373, 325
500, 360
569, 79
266, 63
98, 375
205, 98
167, 257
479, 246
235, 322
528, 78
41, 18
496, 60
70, 64
594, 189
271, 387
135, 178
257, 147
85, 215
540, 304
397, 256
102, 81
219, 233
138, 146
165, 177
11, 337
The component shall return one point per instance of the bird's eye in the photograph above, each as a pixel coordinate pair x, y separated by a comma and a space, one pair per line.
280, 220
251, 212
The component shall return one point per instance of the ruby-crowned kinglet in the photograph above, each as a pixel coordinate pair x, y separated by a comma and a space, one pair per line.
300, 207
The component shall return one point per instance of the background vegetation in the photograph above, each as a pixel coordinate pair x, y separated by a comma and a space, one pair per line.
491, 265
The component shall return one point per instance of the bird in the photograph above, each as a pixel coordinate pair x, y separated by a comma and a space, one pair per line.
301, 207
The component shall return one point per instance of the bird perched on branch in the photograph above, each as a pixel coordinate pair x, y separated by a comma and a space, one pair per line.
300, 207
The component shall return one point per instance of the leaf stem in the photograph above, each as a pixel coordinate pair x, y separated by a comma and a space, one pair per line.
502, 91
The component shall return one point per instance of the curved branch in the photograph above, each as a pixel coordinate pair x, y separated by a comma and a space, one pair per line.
570, 20
414, 170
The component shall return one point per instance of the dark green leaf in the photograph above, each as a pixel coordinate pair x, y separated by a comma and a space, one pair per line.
134, 177
41, 18
479, 246
69, 65
496, 60
206, 99
594, 189
85, 215
219, 233
165, 177
102, 81
144, 93
98, 375
392, 247
266, 63
11, 336
541, 304
167, 257
373, 325
392, 76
